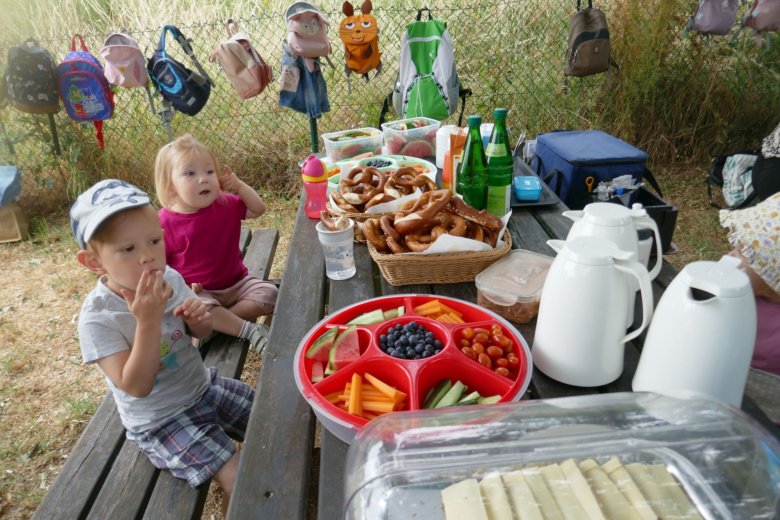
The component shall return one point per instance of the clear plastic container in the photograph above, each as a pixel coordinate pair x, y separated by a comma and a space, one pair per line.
349, 143
413, 137
721, 464
512, 286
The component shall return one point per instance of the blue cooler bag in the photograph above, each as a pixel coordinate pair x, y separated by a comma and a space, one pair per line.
574, 162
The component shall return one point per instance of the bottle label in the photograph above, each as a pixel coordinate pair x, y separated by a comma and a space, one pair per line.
496, 150
498, 200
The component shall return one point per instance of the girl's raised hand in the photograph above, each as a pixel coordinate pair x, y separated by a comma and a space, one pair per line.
193, 311
151, 296
228, 181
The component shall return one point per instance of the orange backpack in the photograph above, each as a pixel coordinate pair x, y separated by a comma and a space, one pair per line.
360, 36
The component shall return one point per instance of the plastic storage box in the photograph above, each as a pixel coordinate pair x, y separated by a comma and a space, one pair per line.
527, 188
512, 286
679, 458
414, 137
349, 143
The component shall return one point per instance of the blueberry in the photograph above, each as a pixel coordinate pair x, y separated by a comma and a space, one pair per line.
397, 354
398, 326
413, 324
427, 354
429, 335
437, 344
419, 349
437, 351
413, 338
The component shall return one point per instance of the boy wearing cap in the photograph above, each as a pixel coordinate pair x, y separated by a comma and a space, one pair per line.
137, 325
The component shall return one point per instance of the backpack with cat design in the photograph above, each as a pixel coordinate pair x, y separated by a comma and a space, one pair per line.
427, 83
245, 68
307, 33
187, 91
360, 36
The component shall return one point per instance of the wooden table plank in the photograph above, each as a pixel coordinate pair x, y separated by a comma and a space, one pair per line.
127, 488
273, 474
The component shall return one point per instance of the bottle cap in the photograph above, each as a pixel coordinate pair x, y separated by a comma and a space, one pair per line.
499, 113
474, 120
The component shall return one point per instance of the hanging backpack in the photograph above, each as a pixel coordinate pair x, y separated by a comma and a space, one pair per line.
763, 16
360, 36
733, 175
187, 91
427, 83
713, 17
307, 33
589, 50
84, 89
125, 64
248, 72
31, 84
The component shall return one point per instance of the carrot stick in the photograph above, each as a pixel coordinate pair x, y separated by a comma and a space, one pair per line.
333, 398
355, 397
433, 304
378, 406
450, 310
455, 318
429, 311
393, 393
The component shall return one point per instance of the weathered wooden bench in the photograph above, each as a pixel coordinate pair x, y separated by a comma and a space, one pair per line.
107, 477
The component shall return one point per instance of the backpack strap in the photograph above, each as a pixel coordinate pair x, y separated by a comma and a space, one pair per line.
185, 45
590, 5
420, 11
463, 93
234, 30
81, 40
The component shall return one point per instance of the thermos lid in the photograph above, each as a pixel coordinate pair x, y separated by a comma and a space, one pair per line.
722, 278
608, 214
594, 251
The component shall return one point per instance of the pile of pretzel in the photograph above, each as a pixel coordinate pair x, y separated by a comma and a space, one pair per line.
366, 186
420, 222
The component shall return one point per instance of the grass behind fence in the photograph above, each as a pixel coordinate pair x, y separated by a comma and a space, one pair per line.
676, 97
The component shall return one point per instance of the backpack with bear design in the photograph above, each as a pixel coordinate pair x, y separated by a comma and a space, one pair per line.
245, 68
83, 87
307, 33
427, 84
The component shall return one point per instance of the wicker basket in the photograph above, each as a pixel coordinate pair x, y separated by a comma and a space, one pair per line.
436, 268
359, 218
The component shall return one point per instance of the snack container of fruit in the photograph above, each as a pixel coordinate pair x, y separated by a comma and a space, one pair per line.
415, 137
612, 456
512, 286
349, 143
408, 352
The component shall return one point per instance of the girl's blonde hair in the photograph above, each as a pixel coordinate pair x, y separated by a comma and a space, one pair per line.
168, 158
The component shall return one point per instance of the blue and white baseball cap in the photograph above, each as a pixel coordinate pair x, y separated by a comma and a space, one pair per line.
105, 198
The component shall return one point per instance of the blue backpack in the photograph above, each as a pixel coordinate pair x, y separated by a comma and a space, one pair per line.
186, 90
84, 89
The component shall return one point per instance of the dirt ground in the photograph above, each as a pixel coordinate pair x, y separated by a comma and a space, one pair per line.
47, 395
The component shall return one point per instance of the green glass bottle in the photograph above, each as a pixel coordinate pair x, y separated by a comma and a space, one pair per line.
471, 183
500, 164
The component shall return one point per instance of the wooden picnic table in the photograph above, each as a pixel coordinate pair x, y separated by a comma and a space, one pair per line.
275, 475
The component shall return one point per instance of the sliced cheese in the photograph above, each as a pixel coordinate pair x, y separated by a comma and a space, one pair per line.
562, 491
581, 489
618, 474
521, 497
494, 497
653, 492
683, 506
609, 497
463, 501
542, 494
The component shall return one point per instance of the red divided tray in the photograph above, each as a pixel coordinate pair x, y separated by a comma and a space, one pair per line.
413, 377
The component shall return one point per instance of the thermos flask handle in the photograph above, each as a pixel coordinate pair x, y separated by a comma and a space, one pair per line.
638, 271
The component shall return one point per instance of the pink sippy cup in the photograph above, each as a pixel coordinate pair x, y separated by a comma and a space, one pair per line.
315, 183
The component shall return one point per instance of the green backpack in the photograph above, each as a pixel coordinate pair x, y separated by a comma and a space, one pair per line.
427, 83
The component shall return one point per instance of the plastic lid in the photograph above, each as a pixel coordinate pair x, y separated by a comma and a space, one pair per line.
517, 277
607, 214
474, 120
723, 278
594, 251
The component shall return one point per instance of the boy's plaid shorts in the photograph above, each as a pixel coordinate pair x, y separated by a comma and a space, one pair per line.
195, 444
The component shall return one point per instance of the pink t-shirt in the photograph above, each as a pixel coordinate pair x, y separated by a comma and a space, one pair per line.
766, 354
203, 246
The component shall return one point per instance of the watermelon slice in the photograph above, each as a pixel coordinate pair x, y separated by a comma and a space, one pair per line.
320, 348
345, 350
418, 148
317, 371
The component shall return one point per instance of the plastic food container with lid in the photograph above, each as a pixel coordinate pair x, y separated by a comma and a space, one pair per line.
415, 137
598, 456
527, 188
512, 286
349, 143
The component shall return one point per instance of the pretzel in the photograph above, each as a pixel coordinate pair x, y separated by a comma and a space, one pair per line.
441, 223
330, 224
373, 234
474, 232
424, 208
386, 223
360, 184
342, 203
405, 180
483, 218
379, 198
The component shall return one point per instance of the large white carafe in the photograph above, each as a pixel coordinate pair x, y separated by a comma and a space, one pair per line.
702, 336
580, 330
619, 225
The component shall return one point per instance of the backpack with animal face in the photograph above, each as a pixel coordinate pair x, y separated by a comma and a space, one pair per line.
307, 32
360, 36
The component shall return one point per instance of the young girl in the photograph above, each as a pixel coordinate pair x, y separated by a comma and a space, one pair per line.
201, 216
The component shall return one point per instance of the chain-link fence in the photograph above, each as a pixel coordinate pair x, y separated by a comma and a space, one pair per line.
676, 96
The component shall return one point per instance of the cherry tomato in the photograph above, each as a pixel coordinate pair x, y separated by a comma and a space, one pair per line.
501, 340
464, 343
502, 371
514, 361
469, 352
502, 362
494, 352
467, 333
496, 329
479, 348
481, 337
479, 330
484, 359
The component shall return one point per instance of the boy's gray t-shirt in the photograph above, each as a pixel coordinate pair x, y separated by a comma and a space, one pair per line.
106, 326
